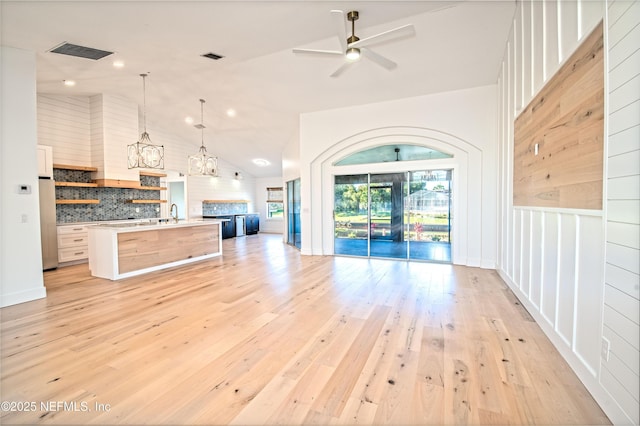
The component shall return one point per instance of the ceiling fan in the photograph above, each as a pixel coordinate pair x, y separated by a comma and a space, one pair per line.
354, 47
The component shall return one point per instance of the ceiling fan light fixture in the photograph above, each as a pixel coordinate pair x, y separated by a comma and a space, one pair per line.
353, 53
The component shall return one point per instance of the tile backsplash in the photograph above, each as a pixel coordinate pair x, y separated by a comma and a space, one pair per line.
113, 201
221, 208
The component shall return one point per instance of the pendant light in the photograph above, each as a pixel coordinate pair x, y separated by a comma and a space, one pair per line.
202, 164
144, 154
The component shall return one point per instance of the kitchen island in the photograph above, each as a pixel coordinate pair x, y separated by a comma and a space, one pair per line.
126, 249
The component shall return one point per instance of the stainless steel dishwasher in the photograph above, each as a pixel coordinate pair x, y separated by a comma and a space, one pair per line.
240, 226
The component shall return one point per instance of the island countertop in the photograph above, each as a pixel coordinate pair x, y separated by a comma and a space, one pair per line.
154, 224
120, 250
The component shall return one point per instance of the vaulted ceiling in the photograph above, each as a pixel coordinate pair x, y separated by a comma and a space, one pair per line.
458, 44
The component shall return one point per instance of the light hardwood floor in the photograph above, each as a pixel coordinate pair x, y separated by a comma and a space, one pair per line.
264, 335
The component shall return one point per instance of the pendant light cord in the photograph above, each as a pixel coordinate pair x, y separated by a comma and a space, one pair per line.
202, 120
144, 102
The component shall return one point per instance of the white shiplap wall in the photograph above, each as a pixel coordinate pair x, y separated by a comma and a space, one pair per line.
63, 123
621, 328
554, 259
95, 131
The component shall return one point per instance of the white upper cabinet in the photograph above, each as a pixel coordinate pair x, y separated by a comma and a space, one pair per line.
45, 161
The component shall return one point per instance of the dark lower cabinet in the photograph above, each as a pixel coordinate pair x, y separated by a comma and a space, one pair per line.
252, 224
228, 226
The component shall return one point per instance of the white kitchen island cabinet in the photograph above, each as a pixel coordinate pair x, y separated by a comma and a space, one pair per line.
127, 249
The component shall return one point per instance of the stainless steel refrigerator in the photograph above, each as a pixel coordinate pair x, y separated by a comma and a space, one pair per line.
48, 230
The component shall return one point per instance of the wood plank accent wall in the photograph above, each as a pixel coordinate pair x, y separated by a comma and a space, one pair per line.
144, 249
566, 121
576, 271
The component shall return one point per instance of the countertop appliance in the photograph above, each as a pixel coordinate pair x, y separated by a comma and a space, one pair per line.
240, 229
48, 230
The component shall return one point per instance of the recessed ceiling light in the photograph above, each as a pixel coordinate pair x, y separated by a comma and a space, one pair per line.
261, 162
231, 112
69, 83
188, 120
118, 64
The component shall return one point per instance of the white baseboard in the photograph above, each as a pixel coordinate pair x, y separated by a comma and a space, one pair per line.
22, 296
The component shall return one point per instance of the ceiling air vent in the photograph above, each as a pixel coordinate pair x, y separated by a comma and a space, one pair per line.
213, 56
80, 51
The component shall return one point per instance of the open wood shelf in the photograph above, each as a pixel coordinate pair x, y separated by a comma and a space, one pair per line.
225, 201
70, 167
117, 183
78, 184
153, 174
77, 201
145, 201
153, 188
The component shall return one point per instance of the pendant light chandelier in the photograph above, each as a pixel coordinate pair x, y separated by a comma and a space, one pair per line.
202, 164
144, 154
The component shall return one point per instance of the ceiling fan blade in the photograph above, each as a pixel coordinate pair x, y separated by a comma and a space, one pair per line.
341, 27
396, 33
317, 52
342, 69
379, 59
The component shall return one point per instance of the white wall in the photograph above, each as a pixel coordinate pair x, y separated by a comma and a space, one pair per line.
620, 373
20, 251
554, 259
459, 122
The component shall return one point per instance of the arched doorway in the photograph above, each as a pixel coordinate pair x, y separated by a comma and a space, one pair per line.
464, 163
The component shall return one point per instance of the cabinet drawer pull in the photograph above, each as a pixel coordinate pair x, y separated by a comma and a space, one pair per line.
78, 253
78, 240
77, 229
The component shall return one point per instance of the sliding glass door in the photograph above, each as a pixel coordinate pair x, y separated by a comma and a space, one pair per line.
293, 213
351, 215
428, 215
394, 215
387, 223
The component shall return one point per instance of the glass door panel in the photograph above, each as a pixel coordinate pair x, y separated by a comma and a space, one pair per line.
351, 215
429, 215
387, 223
293, 210
380, 213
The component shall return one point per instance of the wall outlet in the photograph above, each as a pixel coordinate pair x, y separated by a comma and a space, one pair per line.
605, 349
137, 209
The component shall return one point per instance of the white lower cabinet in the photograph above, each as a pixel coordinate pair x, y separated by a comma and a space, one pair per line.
73, 243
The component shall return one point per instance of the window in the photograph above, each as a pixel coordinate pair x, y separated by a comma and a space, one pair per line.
389, 153
275, 203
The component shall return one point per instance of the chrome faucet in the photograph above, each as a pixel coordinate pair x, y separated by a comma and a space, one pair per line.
175, 218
